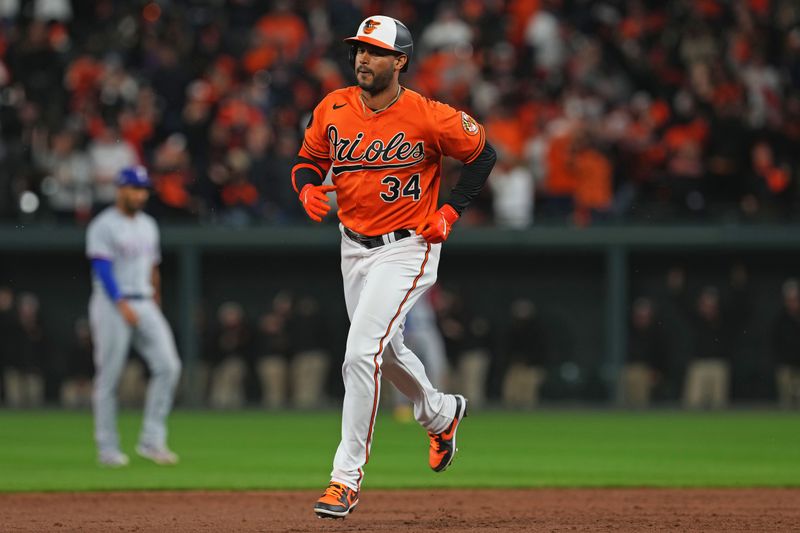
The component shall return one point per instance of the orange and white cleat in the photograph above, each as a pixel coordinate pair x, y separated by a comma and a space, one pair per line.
443, 445
337, 501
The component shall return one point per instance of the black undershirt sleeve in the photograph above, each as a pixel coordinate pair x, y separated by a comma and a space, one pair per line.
473, 176
303, 175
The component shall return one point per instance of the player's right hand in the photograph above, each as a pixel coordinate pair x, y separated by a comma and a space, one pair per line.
128, 313
315, 201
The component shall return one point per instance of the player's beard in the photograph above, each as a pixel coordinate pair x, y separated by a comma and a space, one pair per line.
380, 82
132, 205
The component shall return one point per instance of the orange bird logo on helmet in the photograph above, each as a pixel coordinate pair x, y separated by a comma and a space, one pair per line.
370, 25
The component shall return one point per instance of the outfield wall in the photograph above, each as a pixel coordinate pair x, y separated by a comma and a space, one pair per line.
581, 280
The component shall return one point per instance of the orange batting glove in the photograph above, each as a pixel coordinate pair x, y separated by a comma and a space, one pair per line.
315, 201
436, 227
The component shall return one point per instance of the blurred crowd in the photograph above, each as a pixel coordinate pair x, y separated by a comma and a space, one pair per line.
601, 110
689, 344
692, 340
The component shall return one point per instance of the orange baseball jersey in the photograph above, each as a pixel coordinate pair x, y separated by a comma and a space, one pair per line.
386, 166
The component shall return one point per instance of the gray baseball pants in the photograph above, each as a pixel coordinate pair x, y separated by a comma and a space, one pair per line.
153, 340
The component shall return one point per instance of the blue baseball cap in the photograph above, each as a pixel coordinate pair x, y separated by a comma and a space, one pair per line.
135, 176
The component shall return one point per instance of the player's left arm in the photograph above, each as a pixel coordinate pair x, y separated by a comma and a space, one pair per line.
464, 139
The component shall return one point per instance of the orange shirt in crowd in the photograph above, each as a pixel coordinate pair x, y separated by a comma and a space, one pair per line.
507, 133
286, 31
519, 13
593, 176
560, 180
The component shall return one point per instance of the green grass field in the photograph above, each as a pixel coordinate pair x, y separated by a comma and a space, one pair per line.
258, 450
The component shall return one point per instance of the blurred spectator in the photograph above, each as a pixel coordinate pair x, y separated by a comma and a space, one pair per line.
108, 154
683, 143
543, 35
770, 189
715, 330
196, 121
280, 201
76, 390
786, 346
36, 65
708, 375
273, 348
647, 353
559, 183
24, 377
467, 339
60, 10
231, 358
593, 191
512, 194
447, 31
283, 31
235, 117
526, 349
238, 196
173, 180
67, 176
310, 358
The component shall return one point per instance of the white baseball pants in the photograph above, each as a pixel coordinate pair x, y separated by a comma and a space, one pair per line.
380, 286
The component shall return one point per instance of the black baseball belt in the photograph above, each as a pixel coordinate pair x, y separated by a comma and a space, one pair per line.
378, 240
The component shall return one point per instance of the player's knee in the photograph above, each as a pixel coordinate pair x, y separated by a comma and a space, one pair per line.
358, 361
174, 368
360, 350
168, 367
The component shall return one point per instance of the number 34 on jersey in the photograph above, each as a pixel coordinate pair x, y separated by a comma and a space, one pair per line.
397, 189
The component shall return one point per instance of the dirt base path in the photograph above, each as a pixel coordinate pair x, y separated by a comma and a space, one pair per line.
410, 511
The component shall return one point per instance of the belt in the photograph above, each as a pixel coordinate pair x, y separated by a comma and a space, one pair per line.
134, 297
378, 240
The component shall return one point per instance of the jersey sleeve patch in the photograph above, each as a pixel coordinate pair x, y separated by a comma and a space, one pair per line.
469, 124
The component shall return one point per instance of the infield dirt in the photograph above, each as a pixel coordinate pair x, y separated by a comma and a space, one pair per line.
410, 511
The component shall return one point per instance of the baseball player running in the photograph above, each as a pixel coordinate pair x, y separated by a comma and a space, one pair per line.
123, 246
383, 145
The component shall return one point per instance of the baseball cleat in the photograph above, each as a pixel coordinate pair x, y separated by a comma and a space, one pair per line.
113, 459
160, 456
337, 501
443, 445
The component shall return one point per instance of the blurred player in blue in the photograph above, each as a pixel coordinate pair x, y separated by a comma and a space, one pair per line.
122, 243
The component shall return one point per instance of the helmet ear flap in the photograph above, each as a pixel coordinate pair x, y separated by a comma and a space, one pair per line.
351, 55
